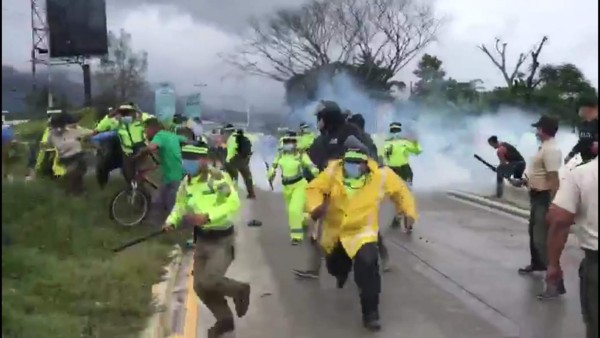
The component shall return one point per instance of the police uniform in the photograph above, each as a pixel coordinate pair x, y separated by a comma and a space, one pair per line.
238, 163
397, 151
292, 164
211, 192
131, 136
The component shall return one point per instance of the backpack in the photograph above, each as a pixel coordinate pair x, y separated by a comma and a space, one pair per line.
244, 146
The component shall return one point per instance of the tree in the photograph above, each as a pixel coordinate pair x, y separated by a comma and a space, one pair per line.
369, 34
122, 72
515, 77
431, 76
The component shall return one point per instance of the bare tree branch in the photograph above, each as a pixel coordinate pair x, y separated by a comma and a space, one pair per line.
378, 33
535, 53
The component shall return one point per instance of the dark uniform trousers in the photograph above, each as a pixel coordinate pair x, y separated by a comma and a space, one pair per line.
76, 168
212, 258
588, 292
366, 274
241, 165
538, 227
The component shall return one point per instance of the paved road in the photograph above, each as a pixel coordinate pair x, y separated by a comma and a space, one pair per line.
454, 277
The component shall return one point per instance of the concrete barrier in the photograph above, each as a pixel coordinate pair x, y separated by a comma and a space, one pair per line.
159, 324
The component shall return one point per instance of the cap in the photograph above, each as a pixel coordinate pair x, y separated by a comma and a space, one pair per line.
229, 127
289, 139
355, 155
395, 127
547, 124
304, 125
194, 150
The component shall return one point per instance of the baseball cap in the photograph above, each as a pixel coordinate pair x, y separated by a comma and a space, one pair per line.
547, 124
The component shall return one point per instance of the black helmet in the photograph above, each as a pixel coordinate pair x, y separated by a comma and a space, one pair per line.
330, 113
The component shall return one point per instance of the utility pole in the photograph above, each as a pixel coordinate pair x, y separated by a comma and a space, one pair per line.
40, 45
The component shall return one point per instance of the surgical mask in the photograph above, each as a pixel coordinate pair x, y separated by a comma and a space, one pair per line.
127, 119
287, 147
352, 170
191, 167
395, 135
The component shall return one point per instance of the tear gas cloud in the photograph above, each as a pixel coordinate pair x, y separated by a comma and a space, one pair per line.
448, 140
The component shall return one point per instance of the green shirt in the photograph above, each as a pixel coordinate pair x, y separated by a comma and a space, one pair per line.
169, 155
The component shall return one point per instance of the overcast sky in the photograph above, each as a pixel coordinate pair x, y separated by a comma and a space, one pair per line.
184, 39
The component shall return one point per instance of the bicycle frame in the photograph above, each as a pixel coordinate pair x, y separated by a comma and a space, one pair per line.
141, 175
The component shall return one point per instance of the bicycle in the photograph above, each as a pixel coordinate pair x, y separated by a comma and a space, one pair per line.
134, 199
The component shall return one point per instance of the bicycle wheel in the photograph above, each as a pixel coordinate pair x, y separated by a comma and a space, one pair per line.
129, 207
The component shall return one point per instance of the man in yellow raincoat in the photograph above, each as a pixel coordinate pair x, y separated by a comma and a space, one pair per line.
305, 137
293, 163
348, 195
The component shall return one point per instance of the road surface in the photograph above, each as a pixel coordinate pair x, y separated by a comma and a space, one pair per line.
454, 277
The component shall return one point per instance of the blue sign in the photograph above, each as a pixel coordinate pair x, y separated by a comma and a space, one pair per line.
193, 106
165, 102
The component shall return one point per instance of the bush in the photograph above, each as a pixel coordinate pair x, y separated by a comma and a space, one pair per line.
59, 276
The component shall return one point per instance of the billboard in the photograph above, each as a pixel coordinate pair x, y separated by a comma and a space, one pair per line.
165, 102
193, 106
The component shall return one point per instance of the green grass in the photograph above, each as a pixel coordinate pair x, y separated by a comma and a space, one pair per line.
59, 276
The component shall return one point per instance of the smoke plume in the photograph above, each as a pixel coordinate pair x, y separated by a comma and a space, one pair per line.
449, 139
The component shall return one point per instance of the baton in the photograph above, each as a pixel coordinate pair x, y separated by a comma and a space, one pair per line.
270, 181
139, 240
487, 164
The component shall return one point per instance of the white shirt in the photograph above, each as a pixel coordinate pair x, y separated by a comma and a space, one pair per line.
578, 194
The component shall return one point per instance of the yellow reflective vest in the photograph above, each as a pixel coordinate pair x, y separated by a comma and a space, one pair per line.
306, 140
57, 169
292, 166
352, 219
215, 196
130, 135
397, 151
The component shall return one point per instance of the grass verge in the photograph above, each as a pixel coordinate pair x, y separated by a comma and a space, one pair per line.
59, 276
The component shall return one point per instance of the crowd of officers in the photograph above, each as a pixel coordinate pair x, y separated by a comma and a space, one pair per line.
333, 186
556, 204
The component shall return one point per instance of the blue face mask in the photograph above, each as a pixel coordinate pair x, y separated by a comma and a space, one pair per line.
395, 135
287, 147
352, 170
127, 119
191, 167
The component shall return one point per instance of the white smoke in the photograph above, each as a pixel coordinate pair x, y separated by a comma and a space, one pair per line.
449, 140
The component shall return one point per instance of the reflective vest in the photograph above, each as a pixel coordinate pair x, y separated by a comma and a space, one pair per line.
130, 135
398, 151
305, 141
57, 168
352, 219
292, 167
216, 196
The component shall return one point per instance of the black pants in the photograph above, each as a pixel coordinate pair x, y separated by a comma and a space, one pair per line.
366, 274
538, 227
76, 168
241, 165
405, 172
506, 171
383, 251
588, 292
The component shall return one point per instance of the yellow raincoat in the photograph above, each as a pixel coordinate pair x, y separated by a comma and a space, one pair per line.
353, 221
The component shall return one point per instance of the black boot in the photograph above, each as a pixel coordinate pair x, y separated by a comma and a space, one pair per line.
221, 327
371, 322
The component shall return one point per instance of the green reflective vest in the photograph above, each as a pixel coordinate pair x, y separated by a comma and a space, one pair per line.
216, 196
292, 166
129, 134
306, 140
398, 151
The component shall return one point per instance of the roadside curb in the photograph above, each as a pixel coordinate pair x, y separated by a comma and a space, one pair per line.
158, 325
509, 209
